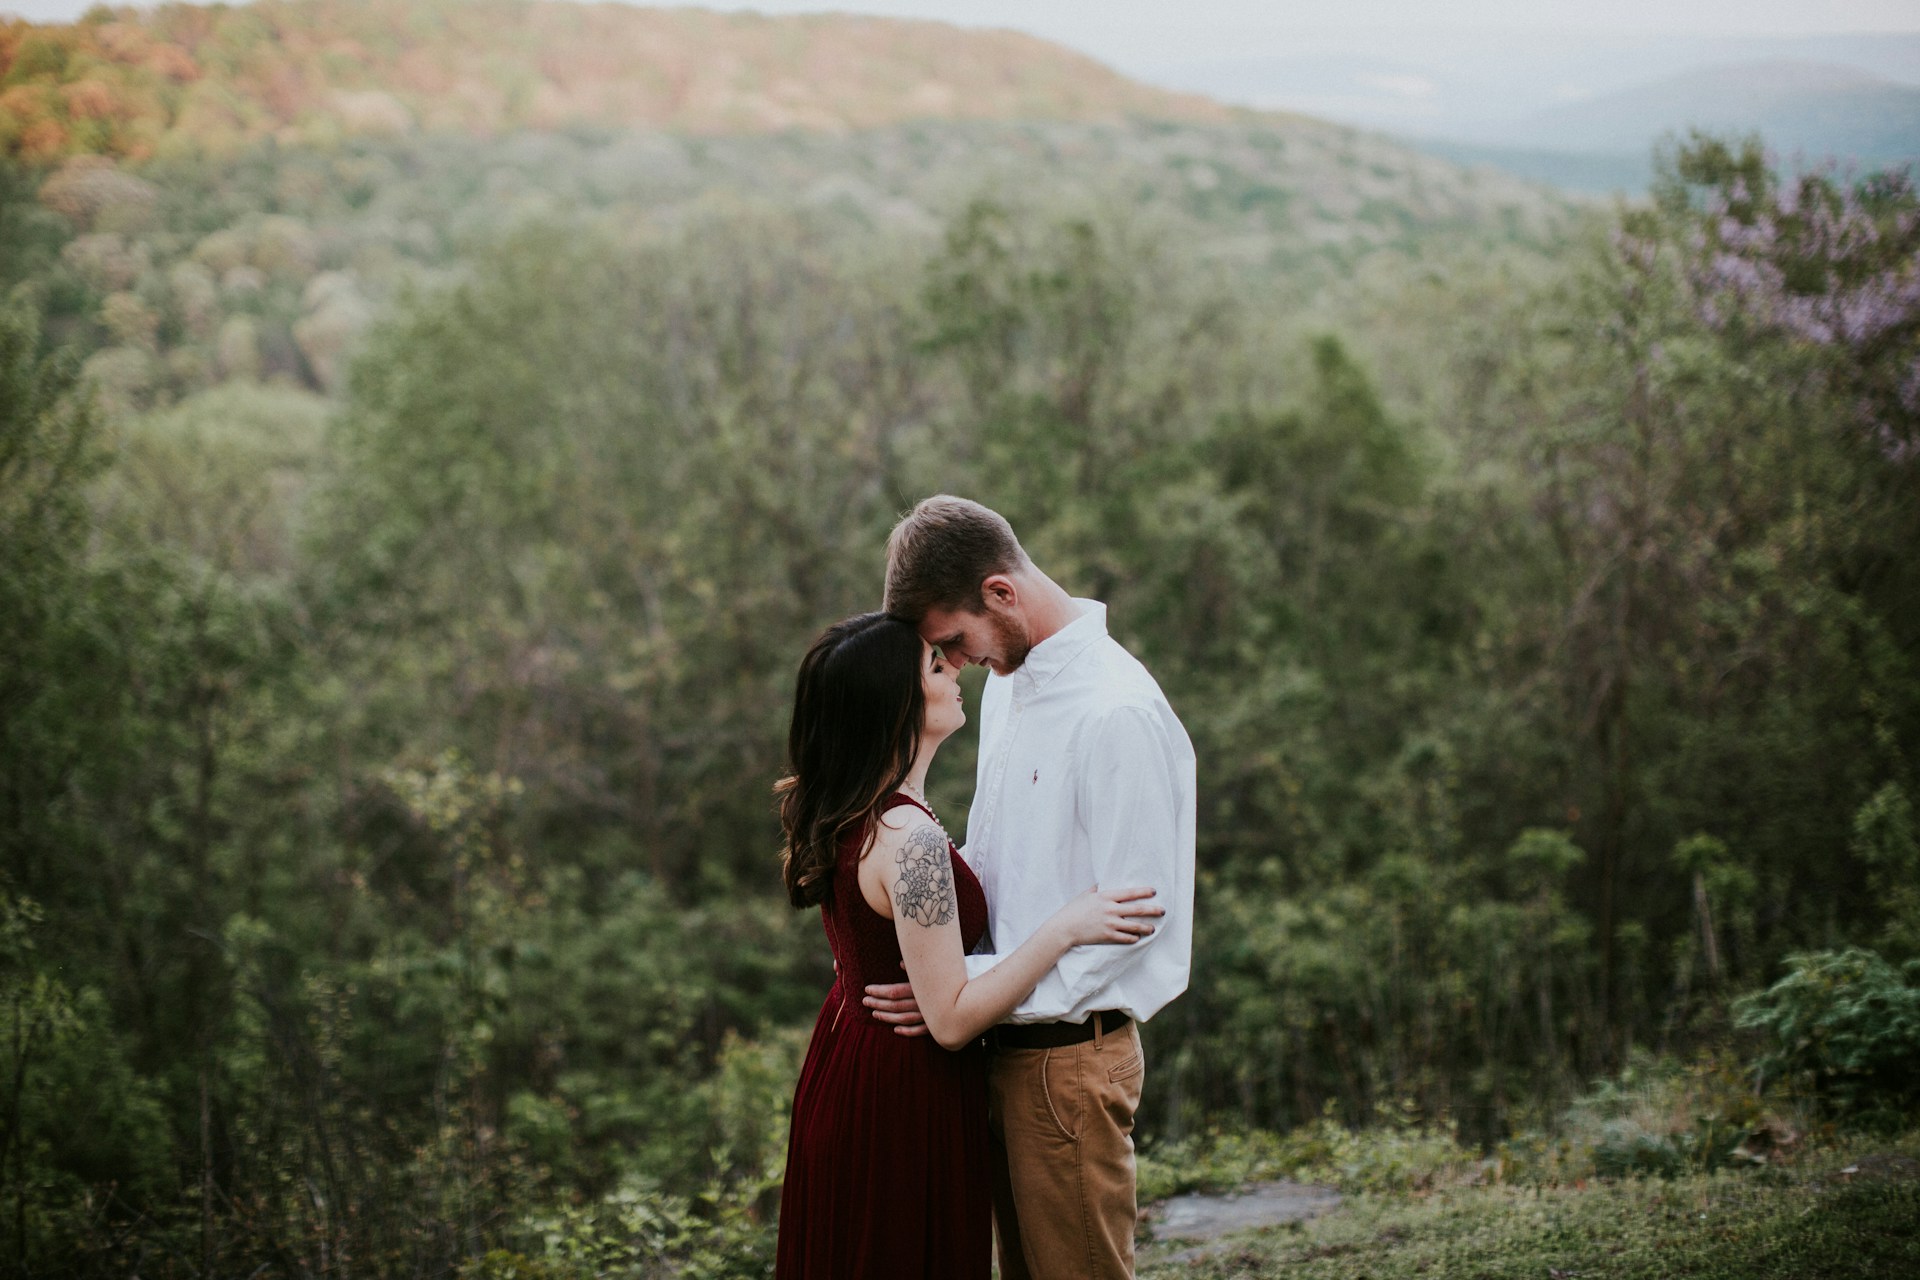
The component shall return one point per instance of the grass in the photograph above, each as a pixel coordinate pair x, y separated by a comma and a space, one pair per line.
1805, 1222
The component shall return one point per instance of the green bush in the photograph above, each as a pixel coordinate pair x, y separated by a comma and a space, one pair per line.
1662, 1118
1845, 1026
1402, 1153
639, 1231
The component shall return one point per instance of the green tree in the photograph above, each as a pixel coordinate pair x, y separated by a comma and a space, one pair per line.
49, 450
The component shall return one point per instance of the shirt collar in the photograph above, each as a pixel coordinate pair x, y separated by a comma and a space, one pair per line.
1051, 656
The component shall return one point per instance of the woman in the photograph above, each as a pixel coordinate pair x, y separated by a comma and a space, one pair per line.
887, 1171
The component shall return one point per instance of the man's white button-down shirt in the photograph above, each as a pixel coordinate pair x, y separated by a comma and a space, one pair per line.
1086, 777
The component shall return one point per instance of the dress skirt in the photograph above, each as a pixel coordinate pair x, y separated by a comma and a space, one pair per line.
887, 1163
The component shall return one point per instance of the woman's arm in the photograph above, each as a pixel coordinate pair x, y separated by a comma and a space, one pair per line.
916, 870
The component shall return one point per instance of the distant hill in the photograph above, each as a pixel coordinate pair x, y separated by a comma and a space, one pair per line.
136, 83
1809, 109
1455, 83
334, 152
1592, 173
268, 265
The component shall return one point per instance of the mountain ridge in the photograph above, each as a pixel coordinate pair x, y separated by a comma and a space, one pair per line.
135, 83
1802, 107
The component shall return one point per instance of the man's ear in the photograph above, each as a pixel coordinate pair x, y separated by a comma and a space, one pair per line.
998, 591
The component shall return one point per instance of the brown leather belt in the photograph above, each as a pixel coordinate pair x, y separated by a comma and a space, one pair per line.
1054, 1035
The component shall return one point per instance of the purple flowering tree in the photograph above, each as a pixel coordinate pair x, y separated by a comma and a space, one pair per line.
1822, 261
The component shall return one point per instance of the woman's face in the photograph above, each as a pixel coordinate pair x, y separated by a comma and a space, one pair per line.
940, 685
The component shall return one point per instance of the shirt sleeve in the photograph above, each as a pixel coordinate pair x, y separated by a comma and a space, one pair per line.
1127, 793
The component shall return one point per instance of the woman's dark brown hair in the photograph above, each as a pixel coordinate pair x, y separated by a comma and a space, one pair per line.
857, 714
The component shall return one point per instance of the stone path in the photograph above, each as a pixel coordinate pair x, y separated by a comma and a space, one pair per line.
1200, 1220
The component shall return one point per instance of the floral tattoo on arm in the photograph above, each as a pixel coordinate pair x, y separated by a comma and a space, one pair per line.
925, 891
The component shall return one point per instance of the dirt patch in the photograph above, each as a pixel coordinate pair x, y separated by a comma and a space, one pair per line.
1197, 1220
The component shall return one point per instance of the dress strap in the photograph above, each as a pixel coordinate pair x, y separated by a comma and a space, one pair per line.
899, 798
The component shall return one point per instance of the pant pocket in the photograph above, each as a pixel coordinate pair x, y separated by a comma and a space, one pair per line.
1061, 1091
1122, 1085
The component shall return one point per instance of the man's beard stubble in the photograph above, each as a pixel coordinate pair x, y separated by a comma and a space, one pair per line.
1011, 636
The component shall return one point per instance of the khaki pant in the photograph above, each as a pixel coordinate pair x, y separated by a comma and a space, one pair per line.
1063, 1177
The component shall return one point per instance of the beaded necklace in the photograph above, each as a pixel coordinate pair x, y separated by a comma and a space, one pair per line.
920, 796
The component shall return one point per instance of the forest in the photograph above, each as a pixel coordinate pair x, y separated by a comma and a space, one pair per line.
407, 545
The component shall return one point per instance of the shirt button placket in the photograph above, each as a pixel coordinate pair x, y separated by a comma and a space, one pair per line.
999, 776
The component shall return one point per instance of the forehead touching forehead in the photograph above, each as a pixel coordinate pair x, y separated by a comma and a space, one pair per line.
945, 627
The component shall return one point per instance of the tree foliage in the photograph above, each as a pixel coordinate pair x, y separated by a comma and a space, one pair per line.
1845, 1025
387, 777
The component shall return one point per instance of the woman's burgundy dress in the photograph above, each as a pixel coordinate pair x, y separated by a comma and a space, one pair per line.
887, 1173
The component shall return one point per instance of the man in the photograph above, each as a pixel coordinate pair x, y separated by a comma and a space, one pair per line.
1086, 777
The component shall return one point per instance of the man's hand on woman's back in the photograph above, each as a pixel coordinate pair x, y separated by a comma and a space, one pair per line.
893, 1002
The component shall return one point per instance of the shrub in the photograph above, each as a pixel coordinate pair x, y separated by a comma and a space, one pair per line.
1403, 1153
1845, 1026
638, 1231
1663, 1118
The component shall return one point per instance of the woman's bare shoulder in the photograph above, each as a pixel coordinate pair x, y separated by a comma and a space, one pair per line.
899, 825
901, 828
